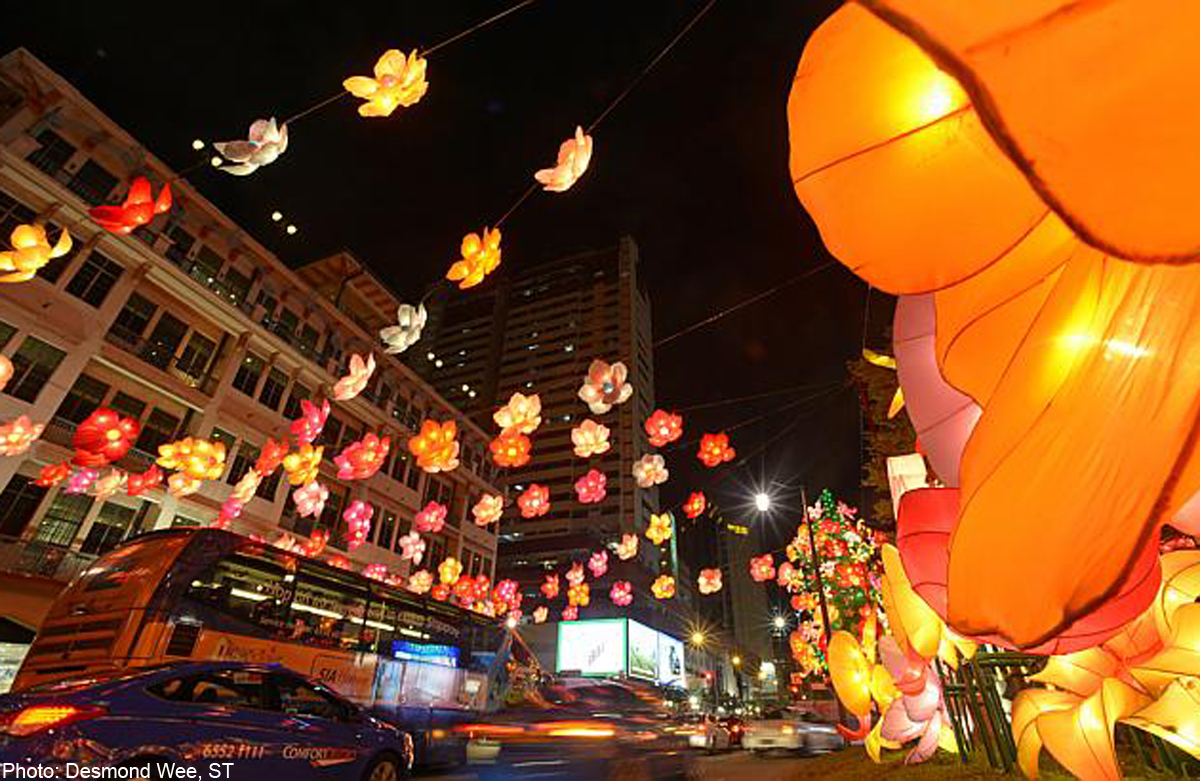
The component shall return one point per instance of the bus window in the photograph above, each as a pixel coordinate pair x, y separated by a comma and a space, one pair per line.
252, 585
328, 608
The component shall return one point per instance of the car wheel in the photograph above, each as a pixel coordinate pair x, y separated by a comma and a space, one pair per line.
384, 767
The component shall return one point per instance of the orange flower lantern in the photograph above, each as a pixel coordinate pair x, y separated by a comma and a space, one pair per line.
270, 458
356, 378
399, 81
573, 157
664, 427
303, 465
695, 505
522, 414
449, 570
140, 483
247, 487
627, 548
1067, 281
540, 614
199, 459
590, 439
53, 474
535, 501
359, 460
576, 575
715, 450
579, 595
663, 587
661, 528
420, 581
550, 587
650, 470
6, 371
480, 257
179, 485
709, 581
605, 386
762, 568
510, 449
139, 208
436, 446
488, 509
103, 436
18, 435
31, 251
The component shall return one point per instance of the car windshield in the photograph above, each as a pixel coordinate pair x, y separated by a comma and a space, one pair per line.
772, 715
91, 679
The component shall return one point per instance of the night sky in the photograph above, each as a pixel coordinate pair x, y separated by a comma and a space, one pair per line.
693, 164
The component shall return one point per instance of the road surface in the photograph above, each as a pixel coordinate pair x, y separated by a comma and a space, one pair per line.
734, 766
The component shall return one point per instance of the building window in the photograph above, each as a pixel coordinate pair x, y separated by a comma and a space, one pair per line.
413, 478
486, 567
164, 341
272, 389
6, 333
92, 182
400, 465
287, 324
85, 395
194, 360
330, 435
291, 410
331, 519
159, 429
385, 529
246, 379
237, 286
128, 405
246, 455
181, 244
94, 279
207, 266
436, 551
181, 522
18, 504
224, 437
55, 268
269, 486
63, 519
309, 338
268, 303
110, 527
53, 153
33, 364
134, 317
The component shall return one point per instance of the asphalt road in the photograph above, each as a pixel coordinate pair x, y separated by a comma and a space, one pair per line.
732, 766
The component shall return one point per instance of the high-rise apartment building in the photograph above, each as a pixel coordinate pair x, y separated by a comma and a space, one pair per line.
194, 329
536, 329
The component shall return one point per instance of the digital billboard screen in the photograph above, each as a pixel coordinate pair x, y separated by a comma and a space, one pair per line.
670, 661
643, 651
594, 647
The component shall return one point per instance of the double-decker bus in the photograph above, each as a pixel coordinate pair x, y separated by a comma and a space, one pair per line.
208, 594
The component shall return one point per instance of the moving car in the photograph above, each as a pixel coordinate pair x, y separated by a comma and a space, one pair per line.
781, 730
736, 728
579, 729
265, 720
706, 732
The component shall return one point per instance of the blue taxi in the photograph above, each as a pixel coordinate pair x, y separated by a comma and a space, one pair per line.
198, 720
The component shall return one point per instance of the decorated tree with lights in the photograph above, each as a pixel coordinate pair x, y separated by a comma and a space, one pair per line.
849, 574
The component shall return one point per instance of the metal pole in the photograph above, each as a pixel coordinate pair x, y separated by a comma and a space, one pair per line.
816, 557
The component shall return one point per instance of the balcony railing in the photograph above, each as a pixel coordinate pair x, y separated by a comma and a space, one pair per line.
39, 559
160, 355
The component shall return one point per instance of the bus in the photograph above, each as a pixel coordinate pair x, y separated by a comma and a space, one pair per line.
212, 595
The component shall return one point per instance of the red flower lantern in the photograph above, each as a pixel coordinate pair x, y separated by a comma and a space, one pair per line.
511, 449
359, 460
570, 613
621, 593
270, 458
431, 519
316, 543
440, 592
535, 501
591, 488
139, 208
715, 450
358, 523
695, 505
376, 571
53, 474
138, 484
762, 568
663, 427
550, 587
103, 437
308, 426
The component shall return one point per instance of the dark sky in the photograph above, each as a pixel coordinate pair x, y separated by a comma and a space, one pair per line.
693, 164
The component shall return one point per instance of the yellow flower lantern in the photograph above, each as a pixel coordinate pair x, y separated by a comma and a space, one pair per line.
31, 251
199, 459
436, 446
480, 257
303, 464
399, 81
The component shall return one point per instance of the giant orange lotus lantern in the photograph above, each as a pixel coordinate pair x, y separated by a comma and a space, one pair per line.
510, 449
579, 595
18, 435
1055, 229
31, 250
709, 581
399, 81
480, 257
102, 437
199, 459
139, 483
359, 460
139, 208
436, 446
762, 568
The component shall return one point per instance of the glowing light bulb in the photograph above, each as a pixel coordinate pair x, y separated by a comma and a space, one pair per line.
762, 502
276, 216
197, 145
291, 229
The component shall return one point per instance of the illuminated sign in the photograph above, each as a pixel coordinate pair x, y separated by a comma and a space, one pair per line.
670, 661
430, 653
736, 529
594, 647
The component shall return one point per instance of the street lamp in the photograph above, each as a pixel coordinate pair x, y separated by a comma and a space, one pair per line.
780, 623
737, 660
762, 502
698, 637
